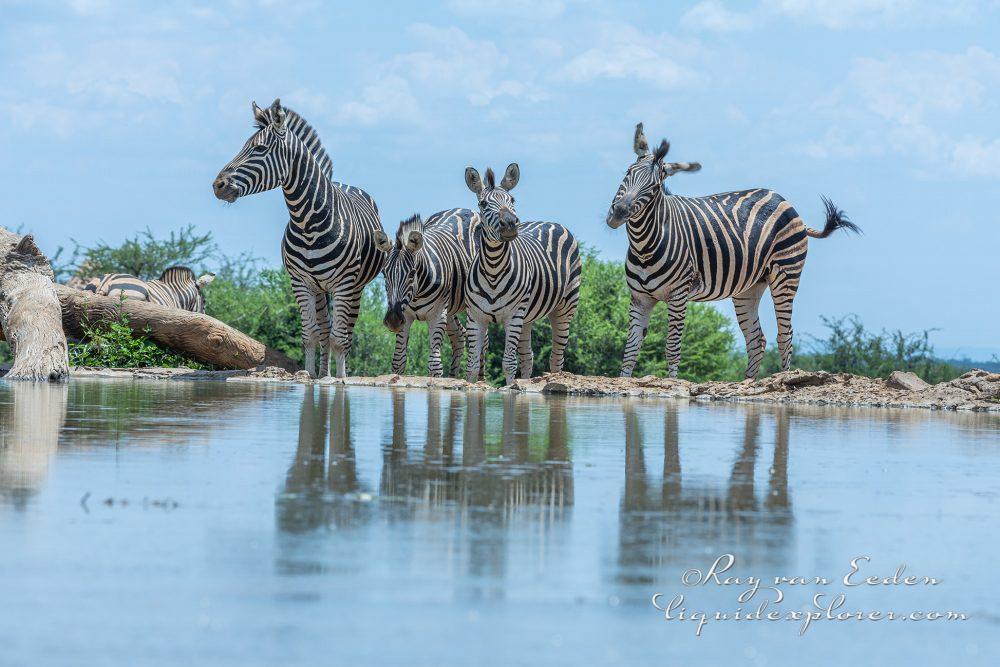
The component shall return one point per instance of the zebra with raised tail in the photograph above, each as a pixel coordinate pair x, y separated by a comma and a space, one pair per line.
329, 247
425, 275
522, 271
178, 287
729, 245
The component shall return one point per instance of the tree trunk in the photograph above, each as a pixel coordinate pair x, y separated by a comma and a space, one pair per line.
30, 314
199, 337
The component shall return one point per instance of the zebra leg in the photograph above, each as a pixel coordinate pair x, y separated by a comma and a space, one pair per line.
525, 356
477, 350
638, 321
512, 339
435, 338
324, 328
747, 306
306, 300
347, 302
456, 334
399, 354
783, 285
677, 309
560, 320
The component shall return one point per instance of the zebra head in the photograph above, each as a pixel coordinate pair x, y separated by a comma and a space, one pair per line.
496, 206
262, 164
643, 180
398, 269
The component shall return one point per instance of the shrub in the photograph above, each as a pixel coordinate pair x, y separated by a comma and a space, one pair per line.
142, 255
113, 344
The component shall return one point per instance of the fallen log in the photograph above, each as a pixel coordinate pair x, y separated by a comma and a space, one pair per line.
30, 311
198, 337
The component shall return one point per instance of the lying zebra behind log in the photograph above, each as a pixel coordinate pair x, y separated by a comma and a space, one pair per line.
522, 271
425, 273
729, 245
177, 287
329, 247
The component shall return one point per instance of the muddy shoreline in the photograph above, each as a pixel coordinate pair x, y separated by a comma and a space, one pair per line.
976, 391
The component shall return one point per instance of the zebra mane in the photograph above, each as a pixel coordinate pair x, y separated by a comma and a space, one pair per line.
177, 274
661, 151
305, 132
491, 179
412, 224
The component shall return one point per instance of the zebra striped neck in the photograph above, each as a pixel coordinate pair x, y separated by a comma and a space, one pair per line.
495, 257
309, 194
645, 233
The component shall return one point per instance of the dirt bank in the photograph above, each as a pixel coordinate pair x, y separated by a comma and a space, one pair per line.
977, 390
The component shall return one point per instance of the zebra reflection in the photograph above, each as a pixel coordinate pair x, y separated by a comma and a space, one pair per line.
480, 495
665, 526
321, 487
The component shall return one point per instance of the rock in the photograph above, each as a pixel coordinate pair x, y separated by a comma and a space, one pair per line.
905, 380
555, 388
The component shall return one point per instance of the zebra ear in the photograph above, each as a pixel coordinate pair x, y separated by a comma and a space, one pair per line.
675, 167
278, 116
258, 114
639, 143
382, 241
206, 279
511, 177
414, 241
473, 181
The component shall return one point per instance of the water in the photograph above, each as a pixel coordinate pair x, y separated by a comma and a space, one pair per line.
234, 524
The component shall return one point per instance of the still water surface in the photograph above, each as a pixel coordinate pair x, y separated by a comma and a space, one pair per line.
230, 524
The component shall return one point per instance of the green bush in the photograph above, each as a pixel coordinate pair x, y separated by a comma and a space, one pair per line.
5, 355
142, 255
259, 302
262, 307
113, 344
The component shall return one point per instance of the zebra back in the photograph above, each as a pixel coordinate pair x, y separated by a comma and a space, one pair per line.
177, 287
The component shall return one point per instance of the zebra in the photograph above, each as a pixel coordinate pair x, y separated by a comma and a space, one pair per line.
522, 271
729, 245
329, 247
177, 287
425, 274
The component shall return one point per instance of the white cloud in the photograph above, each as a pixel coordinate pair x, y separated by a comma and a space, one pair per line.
623, 52
449, 66
977, 158
930, 108
713, 15
522, 9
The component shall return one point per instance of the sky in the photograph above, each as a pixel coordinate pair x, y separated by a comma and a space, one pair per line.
119, 116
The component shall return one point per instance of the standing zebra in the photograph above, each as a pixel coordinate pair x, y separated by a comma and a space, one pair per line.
522, 271
730, 245
329, 247
176, 288
425, 275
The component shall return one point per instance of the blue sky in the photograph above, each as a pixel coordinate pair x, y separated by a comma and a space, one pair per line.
119, 115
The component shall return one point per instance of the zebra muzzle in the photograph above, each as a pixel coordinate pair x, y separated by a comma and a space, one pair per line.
393, 319
224, 189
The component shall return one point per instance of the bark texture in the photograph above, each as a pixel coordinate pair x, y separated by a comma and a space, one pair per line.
30, 314
198, 337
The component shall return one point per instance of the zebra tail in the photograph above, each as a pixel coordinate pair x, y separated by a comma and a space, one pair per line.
835, 219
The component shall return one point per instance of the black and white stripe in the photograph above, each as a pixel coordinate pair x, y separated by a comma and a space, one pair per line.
425, 276
522, 271
329, 247
730, 245
178, 287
